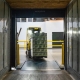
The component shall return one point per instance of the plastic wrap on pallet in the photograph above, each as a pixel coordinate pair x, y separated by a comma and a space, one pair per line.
39, 44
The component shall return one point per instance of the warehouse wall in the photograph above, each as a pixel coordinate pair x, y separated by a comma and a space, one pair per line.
4, 37
73, 38
25, 25
53, 26
47, 27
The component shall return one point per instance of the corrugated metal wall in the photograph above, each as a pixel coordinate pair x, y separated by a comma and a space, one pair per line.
73, 38
4, 37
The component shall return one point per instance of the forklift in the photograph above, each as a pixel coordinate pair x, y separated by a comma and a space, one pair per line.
31, 31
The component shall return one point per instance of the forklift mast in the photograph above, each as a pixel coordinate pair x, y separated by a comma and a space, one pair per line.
33, 30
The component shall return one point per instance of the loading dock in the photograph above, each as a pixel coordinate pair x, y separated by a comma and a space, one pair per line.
8, 14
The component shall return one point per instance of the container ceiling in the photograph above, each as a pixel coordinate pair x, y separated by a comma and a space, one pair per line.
47, 4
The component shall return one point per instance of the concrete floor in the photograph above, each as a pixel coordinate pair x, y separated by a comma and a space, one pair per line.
22, 55
53, 54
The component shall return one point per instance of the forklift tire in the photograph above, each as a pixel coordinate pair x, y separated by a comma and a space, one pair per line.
26, 53
29, 54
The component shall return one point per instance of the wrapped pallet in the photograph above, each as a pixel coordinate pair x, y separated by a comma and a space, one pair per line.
39, 44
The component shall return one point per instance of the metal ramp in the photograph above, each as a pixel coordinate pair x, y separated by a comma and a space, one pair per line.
38, 75
39, 70
40, 64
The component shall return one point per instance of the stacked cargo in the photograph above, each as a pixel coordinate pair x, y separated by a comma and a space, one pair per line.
40, 44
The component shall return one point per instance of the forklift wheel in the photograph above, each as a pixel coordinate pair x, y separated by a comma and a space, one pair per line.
26, 53
29, 54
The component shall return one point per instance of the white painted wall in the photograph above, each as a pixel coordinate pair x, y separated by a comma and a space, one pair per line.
48, 27
25, 25
53, 26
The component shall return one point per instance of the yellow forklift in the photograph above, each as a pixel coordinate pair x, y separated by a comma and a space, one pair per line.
31, 31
